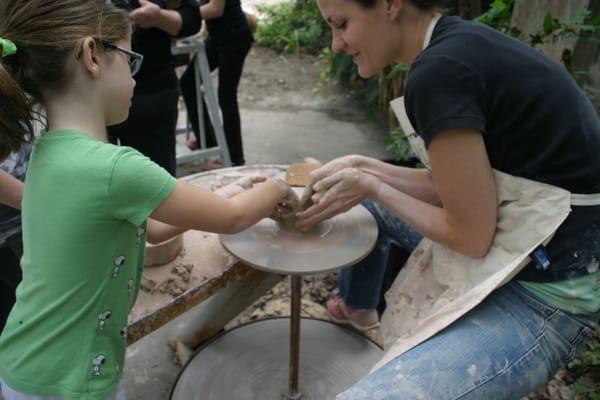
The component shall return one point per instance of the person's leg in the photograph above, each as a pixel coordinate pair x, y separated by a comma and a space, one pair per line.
151, 126
360, 285
10, 277
187, 84
231, 64
508, 346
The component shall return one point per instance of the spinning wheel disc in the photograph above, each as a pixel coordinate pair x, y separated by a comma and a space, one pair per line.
338, 242
251, 362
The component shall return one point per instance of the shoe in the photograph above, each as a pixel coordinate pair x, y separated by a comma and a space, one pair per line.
361, 320
192, 144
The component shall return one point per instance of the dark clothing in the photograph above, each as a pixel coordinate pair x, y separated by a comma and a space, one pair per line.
535, 121
232, 20
10, 264
152, 120
151, 126
229, 41
11, 243
155, 44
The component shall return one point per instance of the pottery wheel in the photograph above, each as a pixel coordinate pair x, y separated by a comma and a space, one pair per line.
251, 362
338, 242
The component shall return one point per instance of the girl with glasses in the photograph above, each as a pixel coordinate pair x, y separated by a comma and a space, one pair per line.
88, 206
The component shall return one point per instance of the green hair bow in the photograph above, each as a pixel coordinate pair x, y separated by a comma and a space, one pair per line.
8, 47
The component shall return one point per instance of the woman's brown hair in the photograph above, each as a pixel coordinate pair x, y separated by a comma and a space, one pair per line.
420, 4
46, 33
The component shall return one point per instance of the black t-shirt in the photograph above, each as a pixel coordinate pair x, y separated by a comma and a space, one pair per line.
535, 121
155, 44
231, 24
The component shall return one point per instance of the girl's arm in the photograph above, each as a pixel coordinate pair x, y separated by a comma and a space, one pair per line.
213, 9
159, 232
189, 207
461, 172
11, 190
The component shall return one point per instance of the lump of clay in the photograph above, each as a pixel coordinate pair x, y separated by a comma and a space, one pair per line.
287, 210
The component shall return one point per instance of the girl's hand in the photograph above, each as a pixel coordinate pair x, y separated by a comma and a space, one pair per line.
147, 15
336, 194
237, 187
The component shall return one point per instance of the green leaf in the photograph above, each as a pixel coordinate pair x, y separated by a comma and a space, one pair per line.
548, 24
581, 388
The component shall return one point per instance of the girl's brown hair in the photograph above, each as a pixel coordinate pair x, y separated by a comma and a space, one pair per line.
46, 33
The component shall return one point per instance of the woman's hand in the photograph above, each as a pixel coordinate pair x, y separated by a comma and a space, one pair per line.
309, 197
146, 15
150, 15
336, 194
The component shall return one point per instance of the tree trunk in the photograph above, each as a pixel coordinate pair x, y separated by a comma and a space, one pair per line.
528, 16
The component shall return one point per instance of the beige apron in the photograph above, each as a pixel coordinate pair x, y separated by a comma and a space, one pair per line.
437, 286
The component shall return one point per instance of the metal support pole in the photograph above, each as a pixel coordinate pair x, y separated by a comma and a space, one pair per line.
293, 393
213, 106
199, 102
204, 90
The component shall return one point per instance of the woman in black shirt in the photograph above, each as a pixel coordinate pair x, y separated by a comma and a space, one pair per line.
227, 45
485, 110
152, 120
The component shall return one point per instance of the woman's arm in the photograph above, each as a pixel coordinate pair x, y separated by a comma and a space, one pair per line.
462, 174
11, 190
213, 9
189, 207
417, 183
150, 15
414, 182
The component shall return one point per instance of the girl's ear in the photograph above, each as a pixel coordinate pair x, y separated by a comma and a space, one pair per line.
393, 8
90, 56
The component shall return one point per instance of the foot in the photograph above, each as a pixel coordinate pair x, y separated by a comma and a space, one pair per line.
192, 144
340, 313
214, 163
182, 352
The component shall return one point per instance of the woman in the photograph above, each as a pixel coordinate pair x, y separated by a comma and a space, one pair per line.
227, 45
511, 144
152, 121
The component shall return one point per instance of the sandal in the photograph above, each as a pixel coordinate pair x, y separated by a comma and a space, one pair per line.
361, 320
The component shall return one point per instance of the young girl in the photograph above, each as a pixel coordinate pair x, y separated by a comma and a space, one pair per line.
86, 202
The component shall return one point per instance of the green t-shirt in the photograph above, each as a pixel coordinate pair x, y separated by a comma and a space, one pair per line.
577, 296
85, 206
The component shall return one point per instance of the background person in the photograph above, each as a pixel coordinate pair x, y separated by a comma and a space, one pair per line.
227, 45
152, 120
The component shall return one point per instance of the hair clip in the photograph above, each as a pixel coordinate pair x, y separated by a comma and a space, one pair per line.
8, 47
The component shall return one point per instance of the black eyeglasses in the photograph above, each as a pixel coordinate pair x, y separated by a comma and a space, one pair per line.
134, 59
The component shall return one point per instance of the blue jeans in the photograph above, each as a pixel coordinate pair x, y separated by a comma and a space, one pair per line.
508, 346
360, 285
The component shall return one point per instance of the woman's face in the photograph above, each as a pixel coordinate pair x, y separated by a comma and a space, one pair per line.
364, 34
